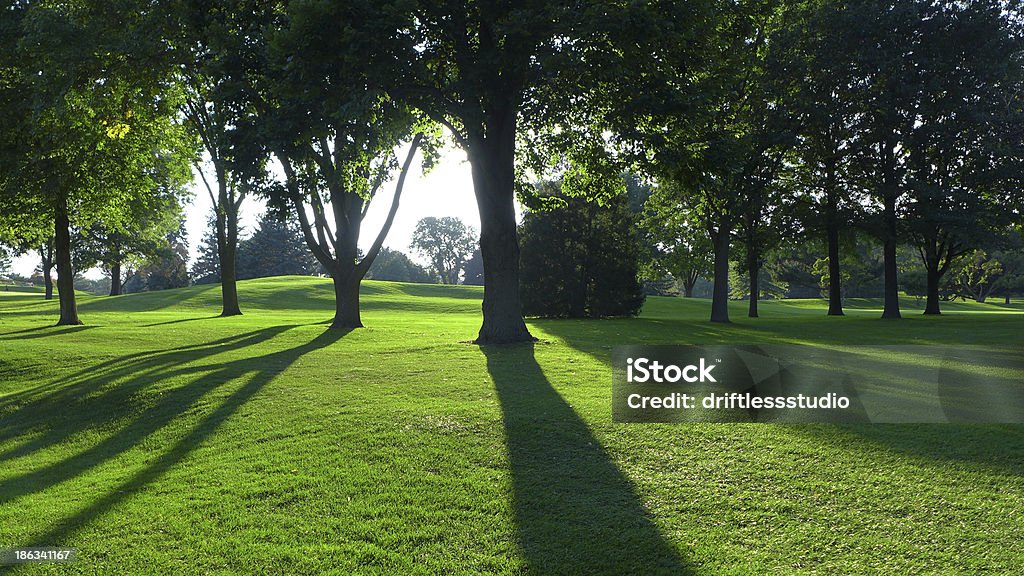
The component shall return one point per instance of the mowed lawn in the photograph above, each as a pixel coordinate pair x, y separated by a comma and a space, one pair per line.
160, 439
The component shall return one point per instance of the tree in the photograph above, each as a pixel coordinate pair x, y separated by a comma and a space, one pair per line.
708, 129
209, 94
580, 258
956, 196
394, 266
5, 262
88, 119
808, 62
310, 96
447, 243
276, 248
678, 245
166, 269
138, 235
494, 71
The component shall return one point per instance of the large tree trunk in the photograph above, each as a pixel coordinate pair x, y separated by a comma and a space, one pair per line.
492, 159
932, 303
65, 274
754, 271
115, 278
227, 248
346, 301
891, 307
835, 286
720, 291
46, 252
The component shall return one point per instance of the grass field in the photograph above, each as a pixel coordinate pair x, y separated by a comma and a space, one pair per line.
160, 439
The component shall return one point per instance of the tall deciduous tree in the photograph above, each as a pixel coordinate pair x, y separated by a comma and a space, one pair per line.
308, 79
85, 93
493, 71
447, 243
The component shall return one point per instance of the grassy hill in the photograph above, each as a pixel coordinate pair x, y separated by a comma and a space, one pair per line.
160, 439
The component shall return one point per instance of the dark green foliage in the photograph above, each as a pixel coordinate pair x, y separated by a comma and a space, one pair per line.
447, 242
206, 268
169, 269
276, 248
395, 266
580, 259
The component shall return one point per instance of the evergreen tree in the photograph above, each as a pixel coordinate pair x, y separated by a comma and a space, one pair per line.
276, 248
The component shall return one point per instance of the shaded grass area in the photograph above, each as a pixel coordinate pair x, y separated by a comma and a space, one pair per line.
161, 439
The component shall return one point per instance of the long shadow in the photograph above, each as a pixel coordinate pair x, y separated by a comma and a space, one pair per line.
575, 511
255, 371
43, 332
997, 447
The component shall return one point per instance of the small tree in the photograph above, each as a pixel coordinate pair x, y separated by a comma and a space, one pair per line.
579, 259
395, 266
447, 242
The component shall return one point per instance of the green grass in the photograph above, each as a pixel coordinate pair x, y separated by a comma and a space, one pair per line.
159, 439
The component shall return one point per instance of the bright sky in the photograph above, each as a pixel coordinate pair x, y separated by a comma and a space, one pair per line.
446, 191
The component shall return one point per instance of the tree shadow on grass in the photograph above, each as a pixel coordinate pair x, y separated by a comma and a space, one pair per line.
254, 372
576, 513
43, 332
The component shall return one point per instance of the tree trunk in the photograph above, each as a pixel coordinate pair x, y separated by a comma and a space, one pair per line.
46, 252
65, 274
227, 248
689, 281
835, 286
932, 303
891, 308
720, 291
754, 270
115, 278
492, 159
346, 302
1007, 300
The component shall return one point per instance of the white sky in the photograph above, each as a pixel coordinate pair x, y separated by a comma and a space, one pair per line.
446, 191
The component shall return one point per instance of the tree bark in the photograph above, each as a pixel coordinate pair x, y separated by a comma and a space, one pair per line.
754, 270
46, 252
65, 274
891, 309
492, 159
720, 291
835, 286
227, 248
115, 278
932, 302
346, 302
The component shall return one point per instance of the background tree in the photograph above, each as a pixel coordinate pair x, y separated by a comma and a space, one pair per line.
493, 71
166, 269
580, 258
807, 63
196, 32
310, 97
276, 248
447, 243
394, 266
206, 267
677, 244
